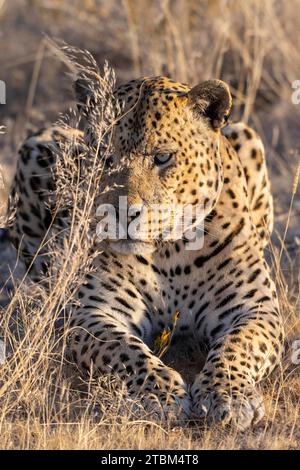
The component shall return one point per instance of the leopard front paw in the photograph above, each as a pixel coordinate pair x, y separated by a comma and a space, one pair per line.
164, 396
166, 408
239, 406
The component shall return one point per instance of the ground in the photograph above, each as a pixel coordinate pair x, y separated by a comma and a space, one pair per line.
260, 69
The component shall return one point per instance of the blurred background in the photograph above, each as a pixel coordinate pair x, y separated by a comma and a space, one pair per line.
254, 45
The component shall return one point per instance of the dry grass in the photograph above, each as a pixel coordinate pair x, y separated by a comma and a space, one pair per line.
254, 45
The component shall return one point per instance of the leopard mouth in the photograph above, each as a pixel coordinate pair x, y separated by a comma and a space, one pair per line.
128, 246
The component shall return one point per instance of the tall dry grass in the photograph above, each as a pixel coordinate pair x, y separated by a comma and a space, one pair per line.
254, 45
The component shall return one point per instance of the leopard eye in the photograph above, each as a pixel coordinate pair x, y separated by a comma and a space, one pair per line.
162, 158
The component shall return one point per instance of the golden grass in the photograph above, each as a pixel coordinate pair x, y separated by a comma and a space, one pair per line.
44, 404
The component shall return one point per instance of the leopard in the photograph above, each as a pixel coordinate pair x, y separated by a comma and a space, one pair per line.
173, 145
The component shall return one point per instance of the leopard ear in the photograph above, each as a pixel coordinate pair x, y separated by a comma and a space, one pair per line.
211, 99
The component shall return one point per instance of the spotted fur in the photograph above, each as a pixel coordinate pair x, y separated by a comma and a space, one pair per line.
223, 291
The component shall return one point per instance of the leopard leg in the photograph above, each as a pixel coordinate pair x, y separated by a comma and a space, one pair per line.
106, 337
240, 355
239, 319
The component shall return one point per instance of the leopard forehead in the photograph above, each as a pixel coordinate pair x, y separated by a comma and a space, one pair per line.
154, 110
156, 87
